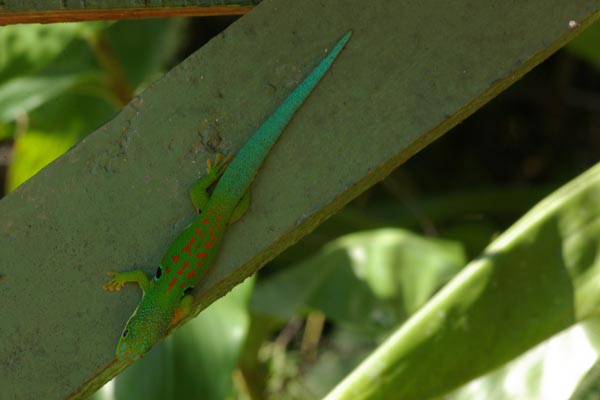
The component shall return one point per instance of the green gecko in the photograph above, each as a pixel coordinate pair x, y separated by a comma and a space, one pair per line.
164, 300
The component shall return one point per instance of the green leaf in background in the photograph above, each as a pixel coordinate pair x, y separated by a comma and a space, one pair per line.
196, 362
62, 81
586, 45
21, 95
26, 49
32, 152
589, 384
370, 280
551, 371
365, 283
539, 277
39, 62
143, 47
471, 216
338, 354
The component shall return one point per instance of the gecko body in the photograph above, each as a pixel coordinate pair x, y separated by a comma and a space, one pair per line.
164, 301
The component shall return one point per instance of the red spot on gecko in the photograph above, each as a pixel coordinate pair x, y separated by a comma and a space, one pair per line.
205, 221
199, 263
173, 281
208, 245
167, 270
191, 274
183, 285
201, 255
199, 232
175, 259
185, 265
188, 246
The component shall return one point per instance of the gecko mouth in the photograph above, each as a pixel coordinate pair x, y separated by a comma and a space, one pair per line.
127, 353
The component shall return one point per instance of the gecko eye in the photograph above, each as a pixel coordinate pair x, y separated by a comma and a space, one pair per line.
125, 333
158, 273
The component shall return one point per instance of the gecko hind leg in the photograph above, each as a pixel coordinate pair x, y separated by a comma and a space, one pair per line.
241, 208
214, 170
184, 308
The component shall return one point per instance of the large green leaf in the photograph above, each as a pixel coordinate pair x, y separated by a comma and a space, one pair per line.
471, 216
366, 283
64, 91
39, 62
26, 49
370, 280
539, 277
550, 371
21, 95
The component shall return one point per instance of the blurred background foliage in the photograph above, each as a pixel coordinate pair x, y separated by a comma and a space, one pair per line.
320, 308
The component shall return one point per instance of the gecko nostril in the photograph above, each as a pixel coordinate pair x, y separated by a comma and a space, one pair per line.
125, 333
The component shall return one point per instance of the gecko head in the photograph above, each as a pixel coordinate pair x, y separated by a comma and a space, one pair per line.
136, 339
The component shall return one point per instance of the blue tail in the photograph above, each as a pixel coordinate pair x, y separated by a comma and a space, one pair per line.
240, 173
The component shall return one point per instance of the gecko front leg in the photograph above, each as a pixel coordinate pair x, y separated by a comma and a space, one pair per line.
120, 279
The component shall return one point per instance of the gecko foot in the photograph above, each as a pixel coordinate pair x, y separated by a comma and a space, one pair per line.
217, 167
115, 283
121, 278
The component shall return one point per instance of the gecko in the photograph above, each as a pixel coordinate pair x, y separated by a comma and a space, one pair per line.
165, 299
